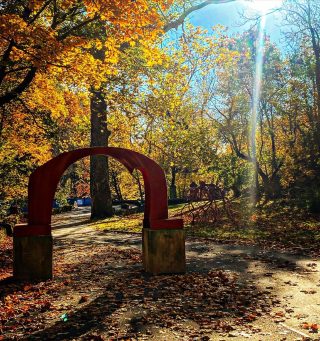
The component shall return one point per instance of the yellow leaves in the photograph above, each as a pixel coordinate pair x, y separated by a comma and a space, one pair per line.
65, 4
71, 58
98, 44
152, 54
45, 95
227, 58
11, 25
24, 146
67, 68
134, 19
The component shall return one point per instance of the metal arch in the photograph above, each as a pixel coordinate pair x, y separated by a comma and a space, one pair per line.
44, 180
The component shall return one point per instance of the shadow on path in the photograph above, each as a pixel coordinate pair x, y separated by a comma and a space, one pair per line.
226, 287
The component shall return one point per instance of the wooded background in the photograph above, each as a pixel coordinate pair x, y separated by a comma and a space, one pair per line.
96, 73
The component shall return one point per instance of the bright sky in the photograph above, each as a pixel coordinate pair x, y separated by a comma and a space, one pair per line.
228, 15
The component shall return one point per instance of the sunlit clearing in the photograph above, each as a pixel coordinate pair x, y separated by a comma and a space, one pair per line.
264, 6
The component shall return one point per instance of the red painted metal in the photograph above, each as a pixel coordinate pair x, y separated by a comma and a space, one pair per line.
44, 180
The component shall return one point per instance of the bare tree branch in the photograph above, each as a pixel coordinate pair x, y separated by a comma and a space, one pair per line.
176, 23
14, 93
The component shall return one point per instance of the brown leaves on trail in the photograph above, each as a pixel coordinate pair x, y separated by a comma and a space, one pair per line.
312, 327
310, 292
83, 299
5, 258
208, 299
105, 295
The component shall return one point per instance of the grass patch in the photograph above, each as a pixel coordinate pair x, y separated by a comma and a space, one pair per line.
129, 223
226, 233
276, 223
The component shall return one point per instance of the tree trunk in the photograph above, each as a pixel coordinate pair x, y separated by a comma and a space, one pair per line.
99, 168
136, 175
173, 187
316, 51
116, 185
255, 190
272, 187
236, 190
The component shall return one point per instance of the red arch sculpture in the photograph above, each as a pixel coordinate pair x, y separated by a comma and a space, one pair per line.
44, 180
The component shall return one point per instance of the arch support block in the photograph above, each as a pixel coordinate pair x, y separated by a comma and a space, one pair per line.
32, 258
164, 251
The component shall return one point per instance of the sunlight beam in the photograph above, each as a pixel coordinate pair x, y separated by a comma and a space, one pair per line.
255, 102
264, 6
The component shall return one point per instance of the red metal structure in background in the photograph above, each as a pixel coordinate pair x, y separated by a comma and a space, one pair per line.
43, 184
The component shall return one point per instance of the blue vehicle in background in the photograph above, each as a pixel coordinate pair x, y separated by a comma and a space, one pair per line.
81, 202
118, 206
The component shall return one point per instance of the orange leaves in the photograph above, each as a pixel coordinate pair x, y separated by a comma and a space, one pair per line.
128, 17
36, 43
27, 287
250, 317
65, 47
83, 299
254, 218
12, 26
312, 327
35, 5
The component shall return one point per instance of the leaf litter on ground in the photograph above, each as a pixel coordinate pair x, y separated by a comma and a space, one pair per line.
103, 291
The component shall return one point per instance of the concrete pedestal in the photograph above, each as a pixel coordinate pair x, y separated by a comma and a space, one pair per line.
32, 258
164, 251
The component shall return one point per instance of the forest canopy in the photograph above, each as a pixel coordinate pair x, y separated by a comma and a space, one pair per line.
79, 73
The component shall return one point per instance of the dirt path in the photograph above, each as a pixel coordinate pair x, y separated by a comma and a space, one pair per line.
292, 279
101, 293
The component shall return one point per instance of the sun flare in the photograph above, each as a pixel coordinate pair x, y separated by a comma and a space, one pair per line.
264, 6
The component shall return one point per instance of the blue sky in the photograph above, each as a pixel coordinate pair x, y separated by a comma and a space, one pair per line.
228, 15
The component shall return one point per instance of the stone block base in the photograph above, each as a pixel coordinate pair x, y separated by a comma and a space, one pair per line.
164, 251
32, 258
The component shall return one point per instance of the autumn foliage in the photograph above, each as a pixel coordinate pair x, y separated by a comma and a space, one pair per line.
185, 99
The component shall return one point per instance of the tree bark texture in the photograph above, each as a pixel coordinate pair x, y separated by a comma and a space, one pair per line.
99, 168
173, 187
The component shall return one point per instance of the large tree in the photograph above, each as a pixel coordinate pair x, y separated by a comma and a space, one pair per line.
301, 107
76, 43
63, 38
171, 17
